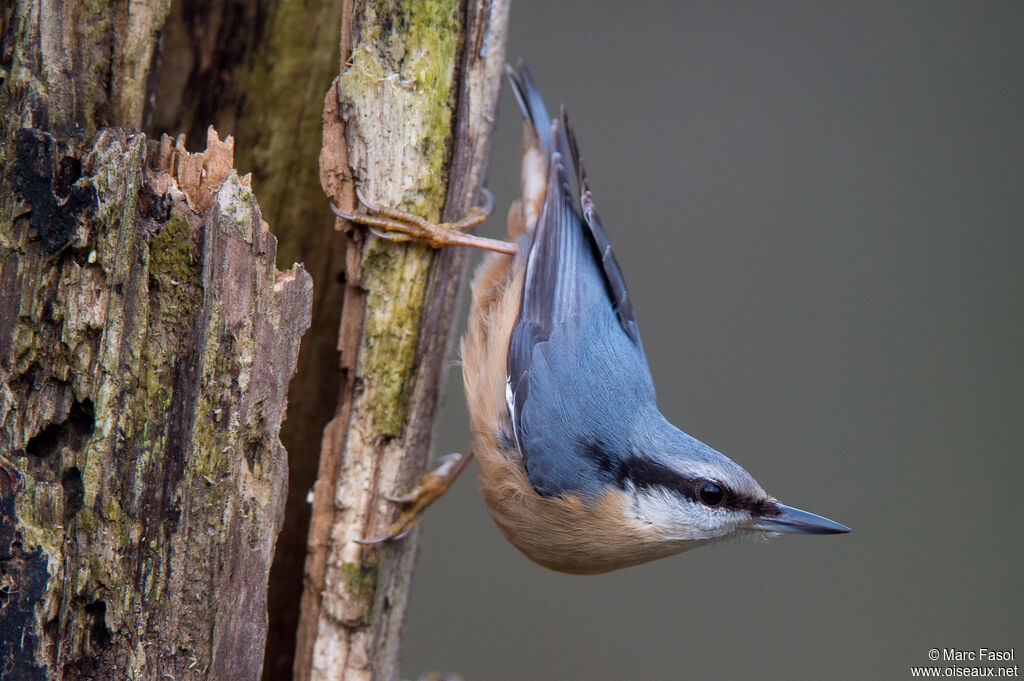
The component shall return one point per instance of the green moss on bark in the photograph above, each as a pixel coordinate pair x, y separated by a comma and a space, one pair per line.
143, 422
411, 70
360, 579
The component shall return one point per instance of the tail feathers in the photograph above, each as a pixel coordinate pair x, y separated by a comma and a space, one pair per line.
536, 147
530, 101
554, 210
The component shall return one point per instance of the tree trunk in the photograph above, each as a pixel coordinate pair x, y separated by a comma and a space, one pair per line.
258, 69
141, 349
408, 121
146, 341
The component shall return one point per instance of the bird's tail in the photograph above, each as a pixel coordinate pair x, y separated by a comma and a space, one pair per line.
536, 150
551, 166
530, 102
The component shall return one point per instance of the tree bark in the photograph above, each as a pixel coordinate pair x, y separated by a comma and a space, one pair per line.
146, 342
258, 69
408, 121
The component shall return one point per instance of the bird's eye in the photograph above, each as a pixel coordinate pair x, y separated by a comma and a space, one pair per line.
710, 493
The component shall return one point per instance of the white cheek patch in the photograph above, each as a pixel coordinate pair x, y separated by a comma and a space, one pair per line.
684, 519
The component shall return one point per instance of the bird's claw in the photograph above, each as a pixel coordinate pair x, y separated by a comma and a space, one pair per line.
398, 225
387, 536
430, 488
367, 203
487, 208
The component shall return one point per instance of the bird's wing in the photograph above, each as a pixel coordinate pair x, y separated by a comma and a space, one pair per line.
576, 366
558, 140
599, 239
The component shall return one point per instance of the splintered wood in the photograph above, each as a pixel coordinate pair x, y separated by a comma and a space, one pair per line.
146, 343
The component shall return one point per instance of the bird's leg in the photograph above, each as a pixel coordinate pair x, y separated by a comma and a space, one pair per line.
397, 225
430, 488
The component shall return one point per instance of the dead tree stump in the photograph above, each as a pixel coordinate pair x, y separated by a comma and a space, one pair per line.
146, 344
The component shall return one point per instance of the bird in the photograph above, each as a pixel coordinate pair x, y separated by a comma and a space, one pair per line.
579, 468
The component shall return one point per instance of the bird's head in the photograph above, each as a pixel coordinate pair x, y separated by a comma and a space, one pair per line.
689, 493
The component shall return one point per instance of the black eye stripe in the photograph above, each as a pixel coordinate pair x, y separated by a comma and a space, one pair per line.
646, 474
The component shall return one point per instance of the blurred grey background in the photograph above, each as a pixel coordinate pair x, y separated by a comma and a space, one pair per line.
819, 210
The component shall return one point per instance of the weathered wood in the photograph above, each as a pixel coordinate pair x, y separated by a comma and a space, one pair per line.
84, 65
259, 69
409, 121
146, 341
145, 364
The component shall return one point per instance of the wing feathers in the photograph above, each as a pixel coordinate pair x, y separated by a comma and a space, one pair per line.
576, 333
610, 266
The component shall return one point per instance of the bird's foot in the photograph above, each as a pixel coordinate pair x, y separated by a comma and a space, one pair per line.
397, 225
430, 488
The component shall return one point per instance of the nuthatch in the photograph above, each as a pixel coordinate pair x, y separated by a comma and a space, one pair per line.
581, 471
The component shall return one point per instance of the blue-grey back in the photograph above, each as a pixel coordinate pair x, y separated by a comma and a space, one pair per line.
589, 393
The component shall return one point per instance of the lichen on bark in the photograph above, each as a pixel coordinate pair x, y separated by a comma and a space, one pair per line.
399, 87
144, 364
408, 122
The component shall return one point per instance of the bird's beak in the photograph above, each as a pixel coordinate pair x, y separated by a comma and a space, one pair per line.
784, 518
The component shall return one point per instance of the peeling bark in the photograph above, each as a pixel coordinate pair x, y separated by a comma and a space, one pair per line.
258, 69
409, 120
146, 342
142, 362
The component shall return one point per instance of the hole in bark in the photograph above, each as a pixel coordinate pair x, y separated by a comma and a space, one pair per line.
68, 172
82, 418
6, 582
251, 452
74, 491
99, 634
46, 441
153, 207
49, 188
71, 432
